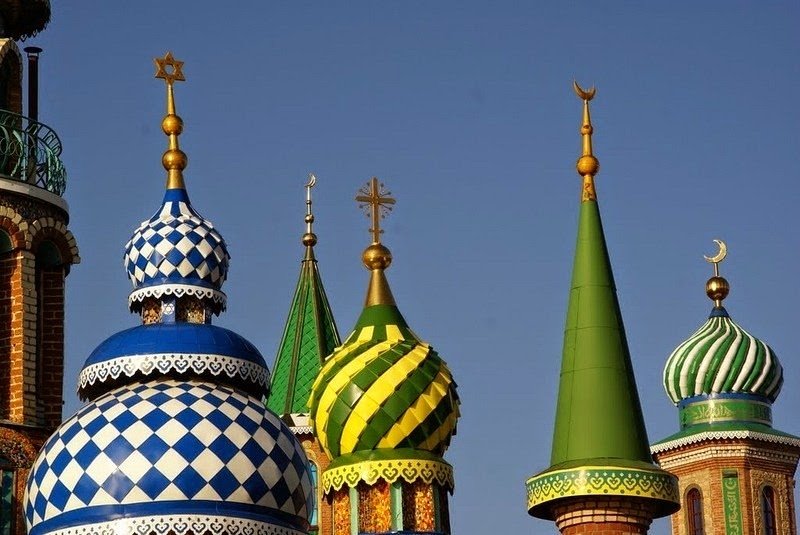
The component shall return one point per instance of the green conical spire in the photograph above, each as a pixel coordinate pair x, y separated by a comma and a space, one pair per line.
309, 337
600, 439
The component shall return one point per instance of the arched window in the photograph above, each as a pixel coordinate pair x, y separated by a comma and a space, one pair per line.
768, 510
694, 511
6, 497
313, 519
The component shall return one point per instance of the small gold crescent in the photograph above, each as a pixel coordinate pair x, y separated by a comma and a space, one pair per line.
585, 95
312, 180
720, 256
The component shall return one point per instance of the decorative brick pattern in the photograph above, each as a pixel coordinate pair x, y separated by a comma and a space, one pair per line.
756, 462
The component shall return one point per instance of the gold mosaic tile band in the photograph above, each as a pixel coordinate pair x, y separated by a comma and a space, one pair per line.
410, 470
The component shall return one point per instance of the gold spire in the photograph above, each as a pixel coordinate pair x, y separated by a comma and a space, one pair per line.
587, 165
717, 287
174, 159
376, 202
309, 238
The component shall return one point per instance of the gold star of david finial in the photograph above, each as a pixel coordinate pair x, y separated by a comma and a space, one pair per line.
376, 203
169, 69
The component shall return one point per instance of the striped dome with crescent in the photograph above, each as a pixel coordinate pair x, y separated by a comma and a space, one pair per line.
177, 251
384, 390
721, 358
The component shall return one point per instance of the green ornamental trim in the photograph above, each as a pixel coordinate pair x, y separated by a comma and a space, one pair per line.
603, 481
390, 470
725, 410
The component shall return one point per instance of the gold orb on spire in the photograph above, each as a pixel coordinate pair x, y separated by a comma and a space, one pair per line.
174, 159
717, 288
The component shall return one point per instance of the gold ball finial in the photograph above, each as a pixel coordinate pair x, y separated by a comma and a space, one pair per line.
717, 289
172, 125
376, 256
174, 159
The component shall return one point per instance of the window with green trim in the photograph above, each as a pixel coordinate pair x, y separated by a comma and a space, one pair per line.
7, 473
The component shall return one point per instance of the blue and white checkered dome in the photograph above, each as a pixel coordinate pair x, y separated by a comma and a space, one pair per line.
176, 252
171, 457
184, 350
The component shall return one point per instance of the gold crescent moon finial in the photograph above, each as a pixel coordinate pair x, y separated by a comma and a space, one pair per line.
312, 180
720, 256
584, 95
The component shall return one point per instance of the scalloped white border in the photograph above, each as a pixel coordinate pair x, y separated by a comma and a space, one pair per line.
723, 435
179, 525
178, 290
180, 362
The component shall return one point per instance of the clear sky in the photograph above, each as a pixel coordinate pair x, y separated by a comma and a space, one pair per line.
466, 111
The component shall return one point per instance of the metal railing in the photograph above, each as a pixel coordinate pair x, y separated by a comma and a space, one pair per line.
29, 152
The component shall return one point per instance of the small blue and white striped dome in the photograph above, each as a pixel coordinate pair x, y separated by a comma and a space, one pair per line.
177, 252
171, 456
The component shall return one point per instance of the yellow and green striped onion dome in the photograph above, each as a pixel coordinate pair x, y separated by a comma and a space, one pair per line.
723, 362
384, 405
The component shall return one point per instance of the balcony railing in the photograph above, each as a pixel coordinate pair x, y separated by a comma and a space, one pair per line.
29, 152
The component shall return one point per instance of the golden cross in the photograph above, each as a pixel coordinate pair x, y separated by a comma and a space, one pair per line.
375, 202
169, 69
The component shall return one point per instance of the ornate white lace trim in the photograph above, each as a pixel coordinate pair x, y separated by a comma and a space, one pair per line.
724, 435
180, 525
180, 362
178, 290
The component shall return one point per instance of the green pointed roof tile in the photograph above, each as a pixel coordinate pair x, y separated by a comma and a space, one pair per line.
309, 337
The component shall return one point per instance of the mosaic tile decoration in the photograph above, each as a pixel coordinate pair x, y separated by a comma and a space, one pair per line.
602, 481
176, 245
175, 347
173, 447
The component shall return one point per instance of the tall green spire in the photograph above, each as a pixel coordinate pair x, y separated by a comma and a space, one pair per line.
600, 443
309, 337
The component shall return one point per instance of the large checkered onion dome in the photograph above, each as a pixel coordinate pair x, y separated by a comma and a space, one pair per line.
721, 357
176, 251
383, 389
170, 457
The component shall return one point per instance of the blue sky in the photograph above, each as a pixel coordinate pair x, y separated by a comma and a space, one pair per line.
465, 110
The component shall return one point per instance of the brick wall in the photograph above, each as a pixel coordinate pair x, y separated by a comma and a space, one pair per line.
756, 463
604, 516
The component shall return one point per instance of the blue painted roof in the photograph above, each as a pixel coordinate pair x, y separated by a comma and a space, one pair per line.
167, 348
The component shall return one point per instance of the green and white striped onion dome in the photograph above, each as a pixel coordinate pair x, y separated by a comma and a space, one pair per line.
722, 358
384, 395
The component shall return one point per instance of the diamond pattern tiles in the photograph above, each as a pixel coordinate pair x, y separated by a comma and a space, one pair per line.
190, 447
176, 245
309, 337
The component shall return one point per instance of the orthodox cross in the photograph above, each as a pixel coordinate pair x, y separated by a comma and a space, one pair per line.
376, 203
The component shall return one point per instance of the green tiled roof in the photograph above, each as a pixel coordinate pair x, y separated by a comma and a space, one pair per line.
309, 337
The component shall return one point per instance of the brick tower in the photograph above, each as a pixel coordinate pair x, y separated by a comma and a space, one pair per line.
602, 479
36, 253
309, 337
736, 471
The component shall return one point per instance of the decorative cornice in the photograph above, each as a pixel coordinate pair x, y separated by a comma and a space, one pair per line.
601, 481
178, 290
179, 362
391, 470
178, 525
724, 435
